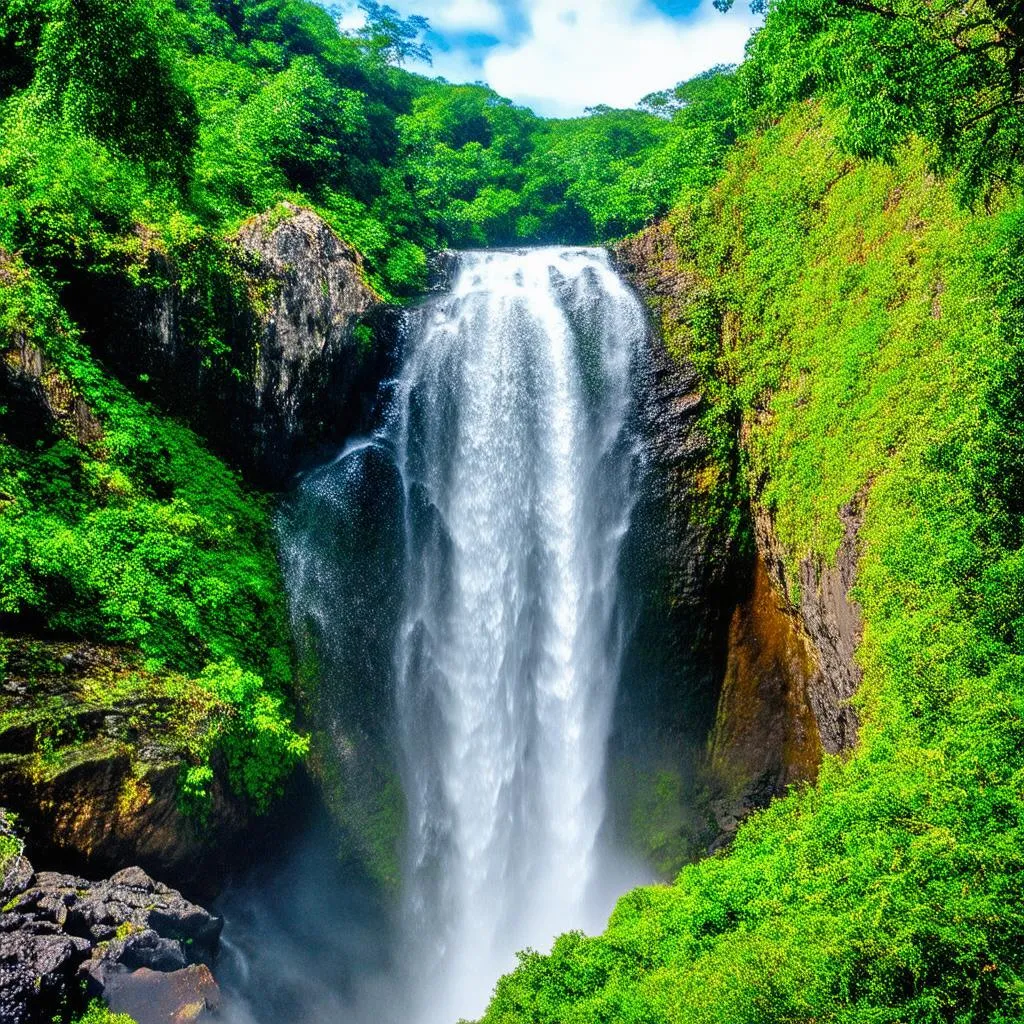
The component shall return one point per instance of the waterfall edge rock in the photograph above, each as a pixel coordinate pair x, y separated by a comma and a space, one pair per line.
298, 347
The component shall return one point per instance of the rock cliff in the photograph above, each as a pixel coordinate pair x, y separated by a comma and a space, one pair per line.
91, 756
289, 363
787, 667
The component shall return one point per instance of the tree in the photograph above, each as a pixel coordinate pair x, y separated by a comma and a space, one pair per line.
391, 39
951, 71
103, 65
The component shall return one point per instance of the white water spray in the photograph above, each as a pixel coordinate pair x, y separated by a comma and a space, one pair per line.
512, 440
458, 575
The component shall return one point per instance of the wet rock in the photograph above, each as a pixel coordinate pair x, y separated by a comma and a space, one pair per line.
17, 878
306, 334
37, 973
442, 267
766, 736
129, 938
151, 997
696, 554
679, 553
147, 949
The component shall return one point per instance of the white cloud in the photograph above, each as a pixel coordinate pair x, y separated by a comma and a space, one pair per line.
581, 53
352, 20
577, 53
463, 16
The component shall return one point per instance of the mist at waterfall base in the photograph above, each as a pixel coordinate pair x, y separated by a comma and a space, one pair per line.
459, 575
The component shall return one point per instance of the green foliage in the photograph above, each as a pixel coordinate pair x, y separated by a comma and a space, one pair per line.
950, 73
390, 38
99, 1013
10, 848
206, 113
255, 737
868, 333
103, 66
116, 525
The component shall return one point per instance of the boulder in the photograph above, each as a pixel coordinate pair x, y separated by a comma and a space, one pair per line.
185, 996
132, 941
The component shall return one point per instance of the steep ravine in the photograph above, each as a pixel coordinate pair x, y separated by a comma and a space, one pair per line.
742, 687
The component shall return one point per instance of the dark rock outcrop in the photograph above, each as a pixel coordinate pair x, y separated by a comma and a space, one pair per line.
693, 581
290, 366
129, 940
788, 668
103, 788
311, 376
680, 583
765, 736
830, 621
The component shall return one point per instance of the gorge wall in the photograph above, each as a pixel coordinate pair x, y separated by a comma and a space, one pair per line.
749, 691
781, 659
271, 347
761, 671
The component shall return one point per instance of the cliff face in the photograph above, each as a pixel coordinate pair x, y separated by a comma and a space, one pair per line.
779, 658
98, 731
92, 763
829, 619
679, 580
697, 555
273, 355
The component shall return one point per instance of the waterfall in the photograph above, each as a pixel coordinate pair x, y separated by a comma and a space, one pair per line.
512, 469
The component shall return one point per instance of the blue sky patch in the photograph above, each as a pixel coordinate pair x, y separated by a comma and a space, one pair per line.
560, 56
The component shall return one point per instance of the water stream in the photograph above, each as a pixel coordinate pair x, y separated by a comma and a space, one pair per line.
460, 570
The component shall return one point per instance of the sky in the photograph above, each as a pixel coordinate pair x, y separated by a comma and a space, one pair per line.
560, 56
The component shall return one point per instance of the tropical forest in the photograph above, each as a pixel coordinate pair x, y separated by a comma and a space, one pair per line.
471, 553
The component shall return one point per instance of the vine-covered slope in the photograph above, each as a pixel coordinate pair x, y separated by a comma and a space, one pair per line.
865, 331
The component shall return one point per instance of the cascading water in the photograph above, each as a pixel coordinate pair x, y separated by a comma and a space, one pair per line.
468, 554
511, 434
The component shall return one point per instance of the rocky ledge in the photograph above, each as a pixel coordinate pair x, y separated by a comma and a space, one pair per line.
302, 342
92, 749
136, 943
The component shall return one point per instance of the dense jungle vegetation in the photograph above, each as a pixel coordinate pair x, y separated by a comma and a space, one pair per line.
848, 202
130, 128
